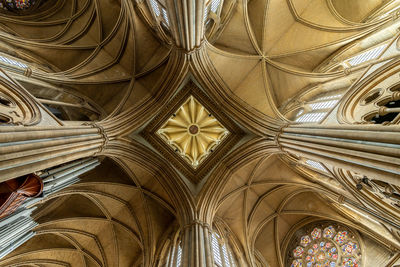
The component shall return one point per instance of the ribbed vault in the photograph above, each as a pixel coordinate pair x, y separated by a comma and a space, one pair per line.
126, 67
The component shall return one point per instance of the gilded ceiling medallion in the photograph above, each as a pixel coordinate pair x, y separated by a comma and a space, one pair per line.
193, 132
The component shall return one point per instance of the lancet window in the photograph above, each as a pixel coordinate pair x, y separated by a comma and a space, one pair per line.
325, 244
223, 256
213, 6
160, 12
314, 111
365, 56
316, 165
174, 255
9, 62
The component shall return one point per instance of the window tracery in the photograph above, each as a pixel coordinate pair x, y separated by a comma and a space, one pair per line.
223, 256
20, 7
16, 4
12, 62
378, 104
174, 254
325, 244
365, 56
316, 165
160, 12
314, 111
212, 6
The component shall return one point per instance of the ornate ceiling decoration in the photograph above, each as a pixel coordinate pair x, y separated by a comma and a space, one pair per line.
192, 132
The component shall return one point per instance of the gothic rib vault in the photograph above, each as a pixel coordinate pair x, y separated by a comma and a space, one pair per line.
189, 123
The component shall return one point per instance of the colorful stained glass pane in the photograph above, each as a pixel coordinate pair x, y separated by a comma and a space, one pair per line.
350, 262
316, 233
341, 237
349, 248
297, 263
18, 4
318, 249
329, 232
298, 252
310, 259
305, 240
321, 257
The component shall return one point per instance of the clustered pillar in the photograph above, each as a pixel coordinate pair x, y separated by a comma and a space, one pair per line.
196, 245
25, 150
370, 150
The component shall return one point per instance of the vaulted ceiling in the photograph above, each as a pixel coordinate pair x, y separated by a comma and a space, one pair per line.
264, 53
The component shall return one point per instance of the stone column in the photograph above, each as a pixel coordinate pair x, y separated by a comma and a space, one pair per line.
18, 227
187, 22
24, 150
196, 246
370, 150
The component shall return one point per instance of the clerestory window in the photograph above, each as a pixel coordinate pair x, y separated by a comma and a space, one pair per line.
11, 62
316, 165
315, 111
365, 56
223, 256
212, 6
159, 12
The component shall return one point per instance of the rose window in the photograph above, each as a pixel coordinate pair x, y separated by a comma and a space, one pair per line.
376, 103
17, 4
326, 246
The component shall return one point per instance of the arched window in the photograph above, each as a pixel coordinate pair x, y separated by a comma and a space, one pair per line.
179, 256
223, 256
316, 165
17, 5
174, 258
325, 244
160, 12
376, 103
213, 6
314, 111
365, 56
11, 62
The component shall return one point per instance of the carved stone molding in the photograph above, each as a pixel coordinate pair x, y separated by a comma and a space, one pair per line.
17, 107
375, 100
194, 174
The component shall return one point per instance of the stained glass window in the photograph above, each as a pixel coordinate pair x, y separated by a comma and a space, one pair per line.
325, 245
12, 5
